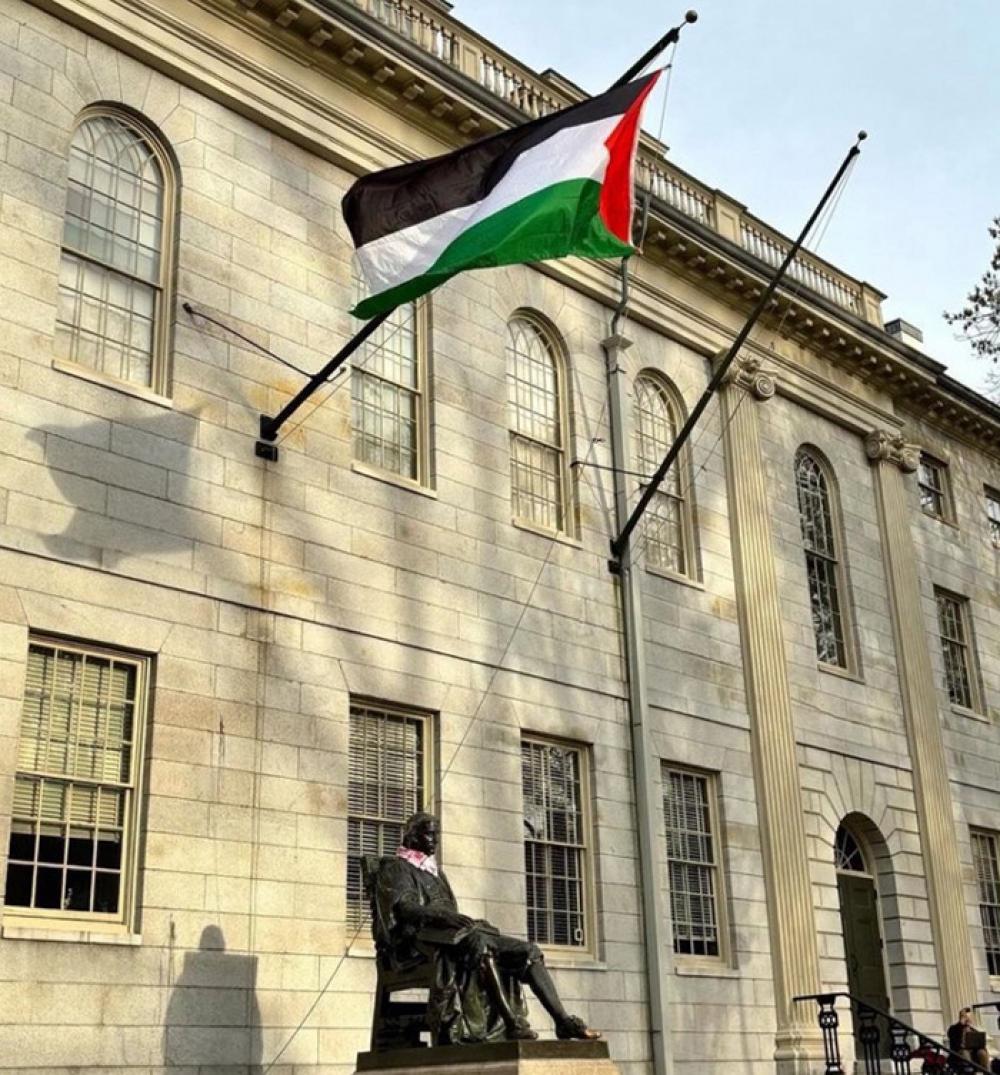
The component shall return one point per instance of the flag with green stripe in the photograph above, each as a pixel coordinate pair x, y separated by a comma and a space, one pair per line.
561, 185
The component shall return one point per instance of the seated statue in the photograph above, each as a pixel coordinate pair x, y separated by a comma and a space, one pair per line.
478, 971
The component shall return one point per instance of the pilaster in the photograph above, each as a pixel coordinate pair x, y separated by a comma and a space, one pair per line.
892, 457
794, 955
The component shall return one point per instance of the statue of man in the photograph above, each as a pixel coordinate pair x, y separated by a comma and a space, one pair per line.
417, 912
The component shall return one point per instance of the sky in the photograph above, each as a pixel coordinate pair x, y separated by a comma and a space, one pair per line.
767, 97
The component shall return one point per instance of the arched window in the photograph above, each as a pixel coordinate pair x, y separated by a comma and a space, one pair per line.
823, 566
667, 523
116, 271
537, 427
388, 406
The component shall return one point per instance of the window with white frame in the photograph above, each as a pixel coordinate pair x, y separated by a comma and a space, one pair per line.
388, 777
72, 852
985, 859
960, 678
116, 269
690, 814
932, 481
993, 515
824, 570
667, 523
388, 398
537, 433
556, 843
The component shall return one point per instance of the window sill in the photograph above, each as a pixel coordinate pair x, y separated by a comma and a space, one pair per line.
941, 519
840, 673
74, 369
705, 970
972, 714
673, 576
67, 935
552, 535
560, 959
389, 478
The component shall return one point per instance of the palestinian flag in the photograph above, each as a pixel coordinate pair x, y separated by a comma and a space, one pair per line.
557, 186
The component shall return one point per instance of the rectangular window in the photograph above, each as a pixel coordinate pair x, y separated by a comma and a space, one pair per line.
73, 826
993, 515
696, 904
959, 668
932, 480
984, 858
556, 843
387, 782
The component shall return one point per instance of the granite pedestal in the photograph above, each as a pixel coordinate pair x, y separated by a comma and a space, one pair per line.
502, 1058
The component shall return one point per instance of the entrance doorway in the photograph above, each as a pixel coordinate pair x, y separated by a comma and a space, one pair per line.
860, 920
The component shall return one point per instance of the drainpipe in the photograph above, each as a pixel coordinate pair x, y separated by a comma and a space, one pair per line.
655, 921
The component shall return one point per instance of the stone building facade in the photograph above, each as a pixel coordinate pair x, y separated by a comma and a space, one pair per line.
223, 677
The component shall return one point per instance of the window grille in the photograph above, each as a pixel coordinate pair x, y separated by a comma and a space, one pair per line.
666, 521
932, 481
387, 782
114, 273
387, 398
823, 571
993, 516
555, 843
847, 854
984, 858
73, 818
953, 625
536, 427
692, 858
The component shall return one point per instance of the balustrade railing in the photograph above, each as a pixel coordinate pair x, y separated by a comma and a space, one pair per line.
881, 1037
428, 26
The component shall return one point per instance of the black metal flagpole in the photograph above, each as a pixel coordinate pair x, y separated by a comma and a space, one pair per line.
620, 542
269, 427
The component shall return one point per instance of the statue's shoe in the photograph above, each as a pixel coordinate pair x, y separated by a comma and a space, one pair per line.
574, 1028
520, 1031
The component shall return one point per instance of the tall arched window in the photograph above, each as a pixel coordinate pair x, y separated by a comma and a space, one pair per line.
667, 523
824, 570
537, 427
115, 274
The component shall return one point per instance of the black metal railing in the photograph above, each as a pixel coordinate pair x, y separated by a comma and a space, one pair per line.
881, 1037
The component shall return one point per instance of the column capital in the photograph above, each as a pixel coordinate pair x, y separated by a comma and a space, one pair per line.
883, 446
747, 373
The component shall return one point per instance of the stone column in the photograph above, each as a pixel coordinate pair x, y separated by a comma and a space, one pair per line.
794, 954
891, 458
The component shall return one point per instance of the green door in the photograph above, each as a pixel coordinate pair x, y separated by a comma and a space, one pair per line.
863, 945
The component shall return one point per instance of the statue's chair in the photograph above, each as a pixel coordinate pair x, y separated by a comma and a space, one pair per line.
396, 1024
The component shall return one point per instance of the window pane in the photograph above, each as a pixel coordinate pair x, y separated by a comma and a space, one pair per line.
822, 567
385, 395
554, 844
692, 860
536, 427
74, 781
993, 516
984, 857
386, 766
954, 649
655, 423
931, 483
112, 238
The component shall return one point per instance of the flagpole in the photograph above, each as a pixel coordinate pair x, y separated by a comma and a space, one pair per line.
620, 542
269, 426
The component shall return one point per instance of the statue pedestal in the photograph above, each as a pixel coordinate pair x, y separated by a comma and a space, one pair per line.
502, 1058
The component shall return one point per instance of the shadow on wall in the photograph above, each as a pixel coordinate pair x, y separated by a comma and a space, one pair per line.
212, 1017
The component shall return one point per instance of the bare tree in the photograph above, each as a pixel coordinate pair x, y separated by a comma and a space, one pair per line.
979, 319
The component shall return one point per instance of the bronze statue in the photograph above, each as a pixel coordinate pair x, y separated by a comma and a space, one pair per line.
475, 990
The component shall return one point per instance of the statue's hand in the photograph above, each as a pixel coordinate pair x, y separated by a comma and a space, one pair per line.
455, 920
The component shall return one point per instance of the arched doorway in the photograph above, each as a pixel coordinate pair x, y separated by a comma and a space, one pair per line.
861, 923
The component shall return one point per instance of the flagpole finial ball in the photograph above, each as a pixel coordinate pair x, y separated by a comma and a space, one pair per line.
862, 135
691, 16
